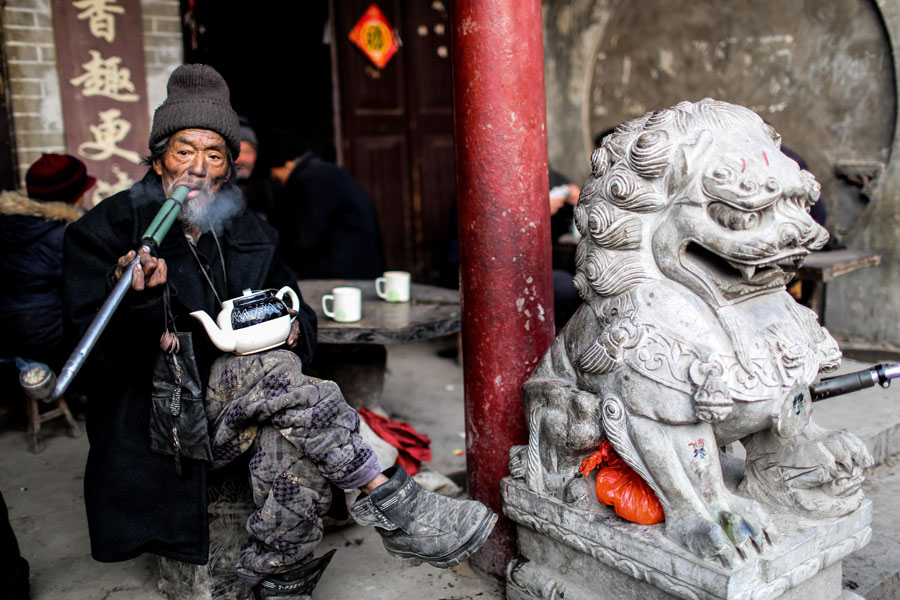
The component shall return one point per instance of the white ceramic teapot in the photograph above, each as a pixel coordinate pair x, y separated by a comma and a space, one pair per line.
253, 322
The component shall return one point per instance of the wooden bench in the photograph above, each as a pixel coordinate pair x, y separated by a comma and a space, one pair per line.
821, 267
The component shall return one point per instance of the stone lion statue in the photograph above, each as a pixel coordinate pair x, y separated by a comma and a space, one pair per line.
687, 339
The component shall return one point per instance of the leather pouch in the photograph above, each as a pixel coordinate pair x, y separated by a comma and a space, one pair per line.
178, 425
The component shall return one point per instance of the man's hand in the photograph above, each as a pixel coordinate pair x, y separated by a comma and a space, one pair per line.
150, 273
295, 331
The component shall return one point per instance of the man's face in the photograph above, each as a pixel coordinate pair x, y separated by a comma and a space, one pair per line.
196, 158
246, 160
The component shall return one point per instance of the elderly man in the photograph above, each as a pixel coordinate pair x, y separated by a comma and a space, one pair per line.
302, 435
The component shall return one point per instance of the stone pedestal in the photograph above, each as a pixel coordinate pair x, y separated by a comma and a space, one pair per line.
587, 552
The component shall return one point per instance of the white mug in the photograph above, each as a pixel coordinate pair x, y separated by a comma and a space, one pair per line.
393, 287
347, 303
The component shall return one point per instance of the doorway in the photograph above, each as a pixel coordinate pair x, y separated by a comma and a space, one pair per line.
393, 127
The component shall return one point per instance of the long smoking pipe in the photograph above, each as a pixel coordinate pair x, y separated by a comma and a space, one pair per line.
151, 240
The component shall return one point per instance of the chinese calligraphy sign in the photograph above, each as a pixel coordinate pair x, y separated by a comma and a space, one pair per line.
103, 88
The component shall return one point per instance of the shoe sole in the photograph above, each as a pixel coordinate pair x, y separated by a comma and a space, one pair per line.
467, 549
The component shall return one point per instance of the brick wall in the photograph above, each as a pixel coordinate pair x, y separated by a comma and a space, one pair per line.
163, 49
33, 81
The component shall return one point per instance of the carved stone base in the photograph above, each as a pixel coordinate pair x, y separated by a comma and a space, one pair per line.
581, 554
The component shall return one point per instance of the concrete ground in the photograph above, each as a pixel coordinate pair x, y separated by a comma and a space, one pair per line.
44, 494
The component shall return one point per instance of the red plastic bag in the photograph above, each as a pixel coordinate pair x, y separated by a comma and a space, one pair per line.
620, 487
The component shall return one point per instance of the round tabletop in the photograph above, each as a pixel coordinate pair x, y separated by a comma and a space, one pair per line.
431, 312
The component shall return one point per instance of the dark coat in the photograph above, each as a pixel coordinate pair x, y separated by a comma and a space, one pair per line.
327, 224
31, 255
135, 500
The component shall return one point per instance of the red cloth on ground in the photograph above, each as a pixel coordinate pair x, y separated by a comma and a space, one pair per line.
413, 447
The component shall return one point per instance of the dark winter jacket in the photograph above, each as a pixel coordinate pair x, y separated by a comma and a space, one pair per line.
327, 224
31, 255
136, 502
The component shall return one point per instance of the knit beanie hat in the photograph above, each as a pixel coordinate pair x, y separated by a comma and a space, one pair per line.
197, 98
58, 178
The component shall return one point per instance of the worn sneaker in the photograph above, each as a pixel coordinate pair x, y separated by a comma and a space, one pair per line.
420, 526
296, 584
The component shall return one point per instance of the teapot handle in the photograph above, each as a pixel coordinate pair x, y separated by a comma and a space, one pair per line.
295, 300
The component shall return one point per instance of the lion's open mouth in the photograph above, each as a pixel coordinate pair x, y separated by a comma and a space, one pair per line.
735, 278
760, 273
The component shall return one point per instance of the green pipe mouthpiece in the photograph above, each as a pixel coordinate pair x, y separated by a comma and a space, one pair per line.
166, 216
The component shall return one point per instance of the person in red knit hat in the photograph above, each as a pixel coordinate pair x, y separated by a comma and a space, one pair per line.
31, 254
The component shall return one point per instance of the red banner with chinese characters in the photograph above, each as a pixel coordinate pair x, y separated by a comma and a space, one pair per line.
374, 35
103, 87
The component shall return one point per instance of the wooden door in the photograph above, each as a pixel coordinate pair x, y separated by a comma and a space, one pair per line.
396, 129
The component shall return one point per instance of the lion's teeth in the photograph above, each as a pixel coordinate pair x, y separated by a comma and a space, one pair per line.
799, 260
748, 271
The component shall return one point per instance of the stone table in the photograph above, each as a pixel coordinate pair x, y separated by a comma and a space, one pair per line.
353, 354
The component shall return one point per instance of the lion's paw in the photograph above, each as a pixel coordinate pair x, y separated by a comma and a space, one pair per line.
702, 536
831, 459
849, 452
750, 520
819, 473
728, 536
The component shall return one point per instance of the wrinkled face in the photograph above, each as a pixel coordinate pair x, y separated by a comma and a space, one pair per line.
197, 158
747, 212
246, 160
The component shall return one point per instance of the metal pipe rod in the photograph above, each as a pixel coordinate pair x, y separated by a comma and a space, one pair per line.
151, 240
76, 359
892, 371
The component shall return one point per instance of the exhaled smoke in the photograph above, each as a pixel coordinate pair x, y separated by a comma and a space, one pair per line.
24, 363
212, 214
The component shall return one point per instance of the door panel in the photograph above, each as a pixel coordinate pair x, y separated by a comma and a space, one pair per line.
397, 129
386, 180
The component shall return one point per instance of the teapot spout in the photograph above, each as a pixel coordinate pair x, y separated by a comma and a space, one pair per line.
223, 340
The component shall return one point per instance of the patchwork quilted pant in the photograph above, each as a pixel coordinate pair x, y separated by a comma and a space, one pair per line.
304, 434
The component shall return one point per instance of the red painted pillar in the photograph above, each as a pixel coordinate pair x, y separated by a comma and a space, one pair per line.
504, 235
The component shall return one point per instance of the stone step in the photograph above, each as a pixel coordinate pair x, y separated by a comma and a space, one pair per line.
874, 415
874, 570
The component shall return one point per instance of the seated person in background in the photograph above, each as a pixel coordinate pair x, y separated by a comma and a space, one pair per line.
258, 190
31, 259
563, 198
327, 224
246, 160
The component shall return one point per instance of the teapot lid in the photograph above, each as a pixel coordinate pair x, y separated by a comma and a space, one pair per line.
249, 296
